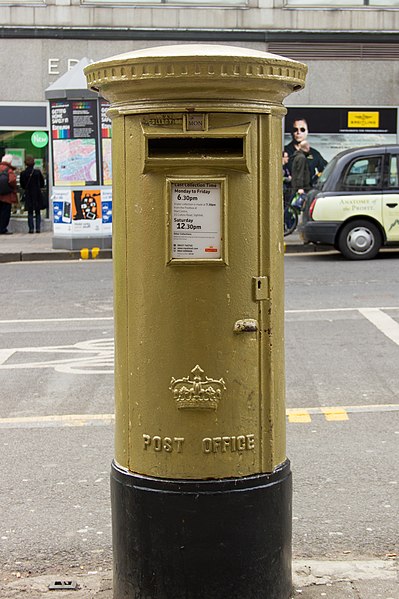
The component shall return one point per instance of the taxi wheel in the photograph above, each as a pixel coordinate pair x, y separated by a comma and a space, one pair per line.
359, 240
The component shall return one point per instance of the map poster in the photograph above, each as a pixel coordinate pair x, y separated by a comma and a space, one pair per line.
106, 140
74, 131
196, 220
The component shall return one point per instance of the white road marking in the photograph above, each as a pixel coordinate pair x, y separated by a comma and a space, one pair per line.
384, 323
37, 320
97, 356
111, 318
5, 354
93, 356
79, 420
318, 310
57, 420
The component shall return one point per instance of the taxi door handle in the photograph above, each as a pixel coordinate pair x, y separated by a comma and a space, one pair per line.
392, 205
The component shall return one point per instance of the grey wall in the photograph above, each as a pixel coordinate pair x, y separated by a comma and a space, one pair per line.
257, 14
25, 62
345, 82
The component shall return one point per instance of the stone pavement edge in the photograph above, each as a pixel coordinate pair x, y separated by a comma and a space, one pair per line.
22, 247
312, 579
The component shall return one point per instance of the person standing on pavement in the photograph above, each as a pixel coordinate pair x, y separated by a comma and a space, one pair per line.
8, 194
32, 181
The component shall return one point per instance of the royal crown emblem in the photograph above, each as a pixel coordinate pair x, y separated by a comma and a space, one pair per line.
199, 393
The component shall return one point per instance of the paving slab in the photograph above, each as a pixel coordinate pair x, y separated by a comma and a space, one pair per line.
338, 590
312, 579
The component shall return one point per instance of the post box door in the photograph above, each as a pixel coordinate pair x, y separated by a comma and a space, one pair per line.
204, 325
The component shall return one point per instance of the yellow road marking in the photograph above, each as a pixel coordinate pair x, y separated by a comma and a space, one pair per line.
335, 414
297, 415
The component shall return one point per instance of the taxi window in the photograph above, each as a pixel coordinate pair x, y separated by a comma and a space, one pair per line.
363, 174
393, 171
325, 174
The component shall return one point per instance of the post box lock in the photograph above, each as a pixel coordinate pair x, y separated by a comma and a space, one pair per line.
261, 288
247, 325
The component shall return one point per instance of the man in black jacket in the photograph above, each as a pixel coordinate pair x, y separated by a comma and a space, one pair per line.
316, 161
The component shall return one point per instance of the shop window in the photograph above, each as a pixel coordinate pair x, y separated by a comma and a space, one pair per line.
19, 145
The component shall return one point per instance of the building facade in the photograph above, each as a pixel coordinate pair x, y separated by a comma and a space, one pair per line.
350, 46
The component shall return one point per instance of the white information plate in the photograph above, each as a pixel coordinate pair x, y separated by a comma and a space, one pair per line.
196, 220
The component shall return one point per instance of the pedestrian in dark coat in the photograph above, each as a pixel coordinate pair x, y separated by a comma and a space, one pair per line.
32, 181
301, 176
9, 198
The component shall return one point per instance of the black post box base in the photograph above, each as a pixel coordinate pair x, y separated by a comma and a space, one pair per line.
208, 539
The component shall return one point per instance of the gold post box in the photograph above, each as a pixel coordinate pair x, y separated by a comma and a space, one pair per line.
201, 484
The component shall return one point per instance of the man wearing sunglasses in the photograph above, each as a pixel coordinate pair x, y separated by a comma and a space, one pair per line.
316, 162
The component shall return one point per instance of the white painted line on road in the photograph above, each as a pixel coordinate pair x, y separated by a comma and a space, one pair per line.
61, 420
384, 323
93, 356
316, 310
79, 420
5, 354
109, 318
37, 320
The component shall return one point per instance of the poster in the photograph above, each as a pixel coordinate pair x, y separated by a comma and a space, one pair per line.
106, 142
85, 211
334, 129
106, 209
196, 220
86, 204
62, 211
18, 157
74, 142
